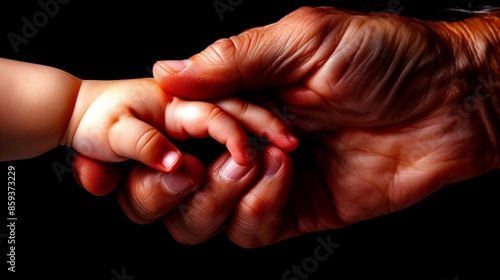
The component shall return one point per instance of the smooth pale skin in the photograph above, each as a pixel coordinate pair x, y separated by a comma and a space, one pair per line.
42, 107
389, 108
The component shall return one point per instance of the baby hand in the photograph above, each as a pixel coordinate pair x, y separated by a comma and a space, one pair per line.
132, 119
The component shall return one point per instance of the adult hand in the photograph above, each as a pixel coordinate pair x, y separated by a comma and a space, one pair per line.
391, 109
144, 194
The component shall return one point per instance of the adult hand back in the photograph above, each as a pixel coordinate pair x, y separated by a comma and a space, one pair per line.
391, 109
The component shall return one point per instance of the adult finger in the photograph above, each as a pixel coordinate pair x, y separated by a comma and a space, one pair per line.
203, 214
97, 177
147, 194
262, 217
277, 54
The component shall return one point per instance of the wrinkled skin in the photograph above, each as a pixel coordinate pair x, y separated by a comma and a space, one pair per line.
387, 108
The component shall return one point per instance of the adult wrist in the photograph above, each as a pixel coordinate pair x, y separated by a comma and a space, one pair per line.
475, 47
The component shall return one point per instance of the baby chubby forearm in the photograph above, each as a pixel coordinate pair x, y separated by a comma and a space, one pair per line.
36, 103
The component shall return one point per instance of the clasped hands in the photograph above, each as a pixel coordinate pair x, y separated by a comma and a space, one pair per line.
376, 103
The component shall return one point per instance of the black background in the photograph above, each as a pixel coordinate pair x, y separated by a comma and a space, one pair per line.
63, 232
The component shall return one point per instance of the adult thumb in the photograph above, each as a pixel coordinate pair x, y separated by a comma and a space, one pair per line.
272, 55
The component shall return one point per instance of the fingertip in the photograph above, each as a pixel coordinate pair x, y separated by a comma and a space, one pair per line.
293, 142
243, 157
199, 80
159, 74
98, 178
172, 161
249, 156
243, 154
170, 66
165, 72
285, 141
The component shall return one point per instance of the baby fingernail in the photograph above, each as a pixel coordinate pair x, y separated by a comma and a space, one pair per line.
170, 159
233, 171
292, 138
177, 182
